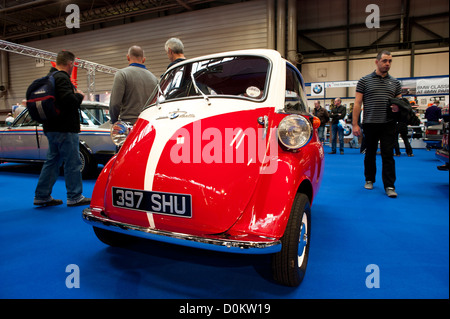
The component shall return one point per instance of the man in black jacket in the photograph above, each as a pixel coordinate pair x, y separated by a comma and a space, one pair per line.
337, 112
323, 116
63, 140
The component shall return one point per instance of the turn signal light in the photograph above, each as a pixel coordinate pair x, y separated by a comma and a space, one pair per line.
316, 122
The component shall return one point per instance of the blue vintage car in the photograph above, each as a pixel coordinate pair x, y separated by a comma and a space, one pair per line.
23, 141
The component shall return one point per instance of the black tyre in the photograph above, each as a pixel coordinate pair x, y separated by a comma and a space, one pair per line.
112, 238
289, 265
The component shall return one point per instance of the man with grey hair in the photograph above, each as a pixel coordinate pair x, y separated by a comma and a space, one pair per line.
175, 51
132, 87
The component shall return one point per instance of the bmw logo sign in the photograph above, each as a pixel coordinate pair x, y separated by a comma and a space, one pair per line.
174, 115
317, 89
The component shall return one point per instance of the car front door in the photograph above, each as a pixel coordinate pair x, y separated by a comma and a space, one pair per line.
24, 140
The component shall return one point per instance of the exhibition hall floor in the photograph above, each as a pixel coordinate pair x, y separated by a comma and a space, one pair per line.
358, 236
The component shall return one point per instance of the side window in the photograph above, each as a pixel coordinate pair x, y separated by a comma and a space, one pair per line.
25, 120
295, 99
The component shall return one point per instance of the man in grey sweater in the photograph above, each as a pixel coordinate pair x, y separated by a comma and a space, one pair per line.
132, 87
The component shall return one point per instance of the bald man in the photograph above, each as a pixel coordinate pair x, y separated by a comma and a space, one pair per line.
132, 87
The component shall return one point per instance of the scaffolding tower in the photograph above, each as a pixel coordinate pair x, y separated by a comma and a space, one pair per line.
90, 67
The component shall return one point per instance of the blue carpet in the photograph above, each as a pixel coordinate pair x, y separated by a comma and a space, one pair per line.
406, 238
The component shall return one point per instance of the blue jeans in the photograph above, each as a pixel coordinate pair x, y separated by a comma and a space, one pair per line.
354, 143
321, 133
62, 147
335, 129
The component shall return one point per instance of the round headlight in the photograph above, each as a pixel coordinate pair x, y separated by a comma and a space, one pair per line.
294, 131
119, 132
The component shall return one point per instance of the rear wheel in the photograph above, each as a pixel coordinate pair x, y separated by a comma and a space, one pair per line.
88, 164
289, 265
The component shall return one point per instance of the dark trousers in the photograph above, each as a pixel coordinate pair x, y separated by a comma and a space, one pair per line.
335, 131
385, 134
402, 130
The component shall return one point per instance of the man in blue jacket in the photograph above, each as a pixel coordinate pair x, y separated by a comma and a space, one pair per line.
63, 140
433, 114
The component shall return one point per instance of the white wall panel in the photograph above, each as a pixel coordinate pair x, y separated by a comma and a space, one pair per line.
224, 28
432, 64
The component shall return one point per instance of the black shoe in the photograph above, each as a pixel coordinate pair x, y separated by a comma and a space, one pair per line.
342, 152
83, 201
51, 202
332, 152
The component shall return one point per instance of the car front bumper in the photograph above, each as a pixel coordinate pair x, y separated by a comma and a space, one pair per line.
442, 155
210, 242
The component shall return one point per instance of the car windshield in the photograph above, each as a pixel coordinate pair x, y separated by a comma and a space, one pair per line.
95, 114
236, 76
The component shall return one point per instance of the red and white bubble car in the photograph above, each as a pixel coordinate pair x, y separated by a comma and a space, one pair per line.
225, 157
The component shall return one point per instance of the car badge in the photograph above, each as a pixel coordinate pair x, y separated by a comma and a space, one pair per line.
175, 114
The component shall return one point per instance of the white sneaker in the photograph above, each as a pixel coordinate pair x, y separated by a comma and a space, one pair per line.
368, 185
390, 191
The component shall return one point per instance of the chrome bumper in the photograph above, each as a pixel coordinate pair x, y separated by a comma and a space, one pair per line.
208, 243
442, 155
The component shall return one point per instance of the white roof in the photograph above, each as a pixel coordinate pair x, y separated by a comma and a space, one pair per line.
271, 54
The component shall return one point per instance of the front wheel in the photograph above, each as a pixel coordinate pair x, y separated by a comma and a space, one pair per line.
289, 265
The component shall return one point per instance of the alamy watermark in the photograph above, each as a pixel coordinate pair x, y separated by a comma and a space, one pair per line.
73, 279
373, 279
73, 19
236, 145
373, 19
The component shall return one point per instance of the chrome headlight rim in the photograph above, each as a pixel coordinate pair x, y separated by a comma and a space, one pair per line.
300, 129
119, 132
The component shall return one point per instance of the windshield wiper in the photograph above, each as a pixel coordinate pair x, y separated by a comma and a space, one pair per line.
197, 90
160, 98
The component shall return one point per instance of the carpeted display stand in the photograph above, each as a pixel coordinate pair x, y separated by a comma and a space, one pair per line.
363, 244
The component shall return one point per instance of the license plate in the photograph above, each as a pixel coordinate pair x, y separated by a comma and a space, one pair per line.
153, 202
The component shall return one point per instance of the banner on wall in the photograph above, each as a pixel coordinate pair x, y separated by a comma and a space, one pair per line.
410, 86
340, 84
432, 86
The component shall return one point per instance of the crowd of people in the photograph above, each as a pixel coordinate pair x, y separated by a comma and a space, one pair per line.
131, 89
378, 127
432, 115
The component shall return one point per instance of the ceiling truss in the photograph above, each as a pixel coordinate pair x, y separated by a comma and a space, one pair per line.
90, 67
21, 20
